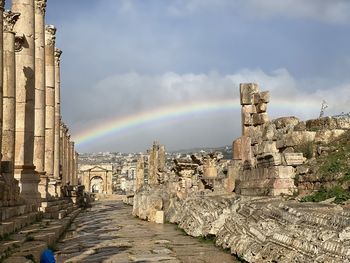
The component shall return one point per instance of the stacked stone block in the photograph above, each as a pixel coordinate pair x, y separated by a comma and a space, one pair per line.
266, 168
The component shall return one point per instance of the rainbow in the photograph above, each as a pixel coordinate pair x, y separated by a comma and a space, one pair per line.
173, 112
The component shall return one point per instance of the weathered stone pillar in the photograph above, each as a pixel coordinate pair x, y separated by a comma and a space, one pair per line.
62, 149
9, 93
140, 173
39, 129
71, 162
2, 4
50, 32
65, 154
25, 97
56, 170
9, 107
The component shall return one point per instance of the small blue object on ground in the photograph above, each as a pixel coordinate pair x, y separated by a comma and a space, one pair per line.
47, 257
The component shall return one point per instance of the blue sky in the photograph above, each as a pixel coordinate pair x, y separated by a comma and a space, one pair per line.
122, 56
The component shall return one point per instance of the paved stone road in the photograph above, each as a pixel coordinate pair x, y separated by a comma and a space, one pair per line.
109, 233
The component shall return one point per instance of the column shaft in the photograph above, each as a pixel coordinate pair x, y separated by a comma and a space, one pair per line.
25, 96
9, 93
56, 172
39, 129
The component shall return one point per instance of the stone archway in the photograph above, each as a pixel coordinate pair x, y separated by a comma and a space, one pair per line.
97, 185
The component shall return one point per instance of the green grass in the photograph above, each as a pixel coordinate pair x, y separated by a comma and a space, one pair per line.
341, 195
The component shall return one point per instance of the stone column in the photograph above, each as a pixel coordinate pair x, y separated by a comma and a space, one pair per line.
62, 150
2, 4
39, 112
71, 162
50, 32
9, 93
56, 170
69, 175
39, 130
25, 96
140, 173
9, 105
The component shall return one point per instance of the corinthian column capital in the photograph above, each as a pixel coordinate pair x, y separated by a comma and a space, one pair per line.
40, 6
58, 54
50, 35
10, 20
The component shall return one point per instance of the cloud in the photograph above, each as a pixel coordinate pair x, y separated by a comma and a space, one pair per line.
334, 11
126, 94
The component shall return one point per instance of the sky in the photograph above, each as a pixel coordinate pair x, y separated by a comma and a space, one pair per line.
125, 57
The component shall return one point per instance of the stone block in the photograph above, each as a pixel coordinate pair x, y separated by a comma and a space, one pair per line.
264, 97
326, 136
298, 137
260, 118
249, 109
237, 149
267, 147
269, 159
261, 107
284, 122
247, 91
159, 217
281, 172
293, 159
321, 123
246, 148
247, 119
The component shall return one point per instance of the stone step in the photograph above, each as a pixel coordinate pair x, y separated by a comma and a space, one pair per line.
13, 211
14, 224
32, 240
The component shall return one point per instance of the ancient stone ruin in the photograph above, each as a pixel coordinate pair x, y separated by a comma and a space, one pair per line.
250, 204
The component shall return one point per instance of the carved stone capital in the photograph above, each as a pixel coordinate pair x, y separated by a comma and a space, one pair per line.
40, 6
10, 20
58, 53
50, 32
19, 42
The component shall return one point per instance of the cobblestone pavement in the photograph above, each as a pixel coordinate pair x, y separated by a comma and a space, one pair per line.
109, 233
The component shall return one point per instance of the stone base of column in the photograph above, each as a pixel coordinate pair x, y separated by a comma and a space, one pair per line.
28, 183
43, 185
58, 188
52, 188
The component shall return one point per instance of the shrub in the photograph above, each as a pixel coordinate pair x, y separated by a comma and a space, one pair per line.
340, 194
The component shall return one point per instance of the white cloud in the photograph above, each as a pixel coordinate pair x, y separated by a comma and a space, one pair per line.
126, 94
331, 11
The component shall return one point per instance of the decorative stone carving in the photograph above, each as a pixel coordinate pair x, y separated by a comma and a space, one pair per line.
19, 42
58, 54
40, 6
2, 5
10, 19
50, 37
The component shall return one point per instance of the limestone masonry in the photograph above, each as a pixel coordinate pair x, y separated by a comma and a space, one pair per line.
38, 176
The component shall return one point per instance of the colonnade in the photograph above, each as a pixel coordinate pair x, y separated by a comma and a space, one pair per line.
38, 157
